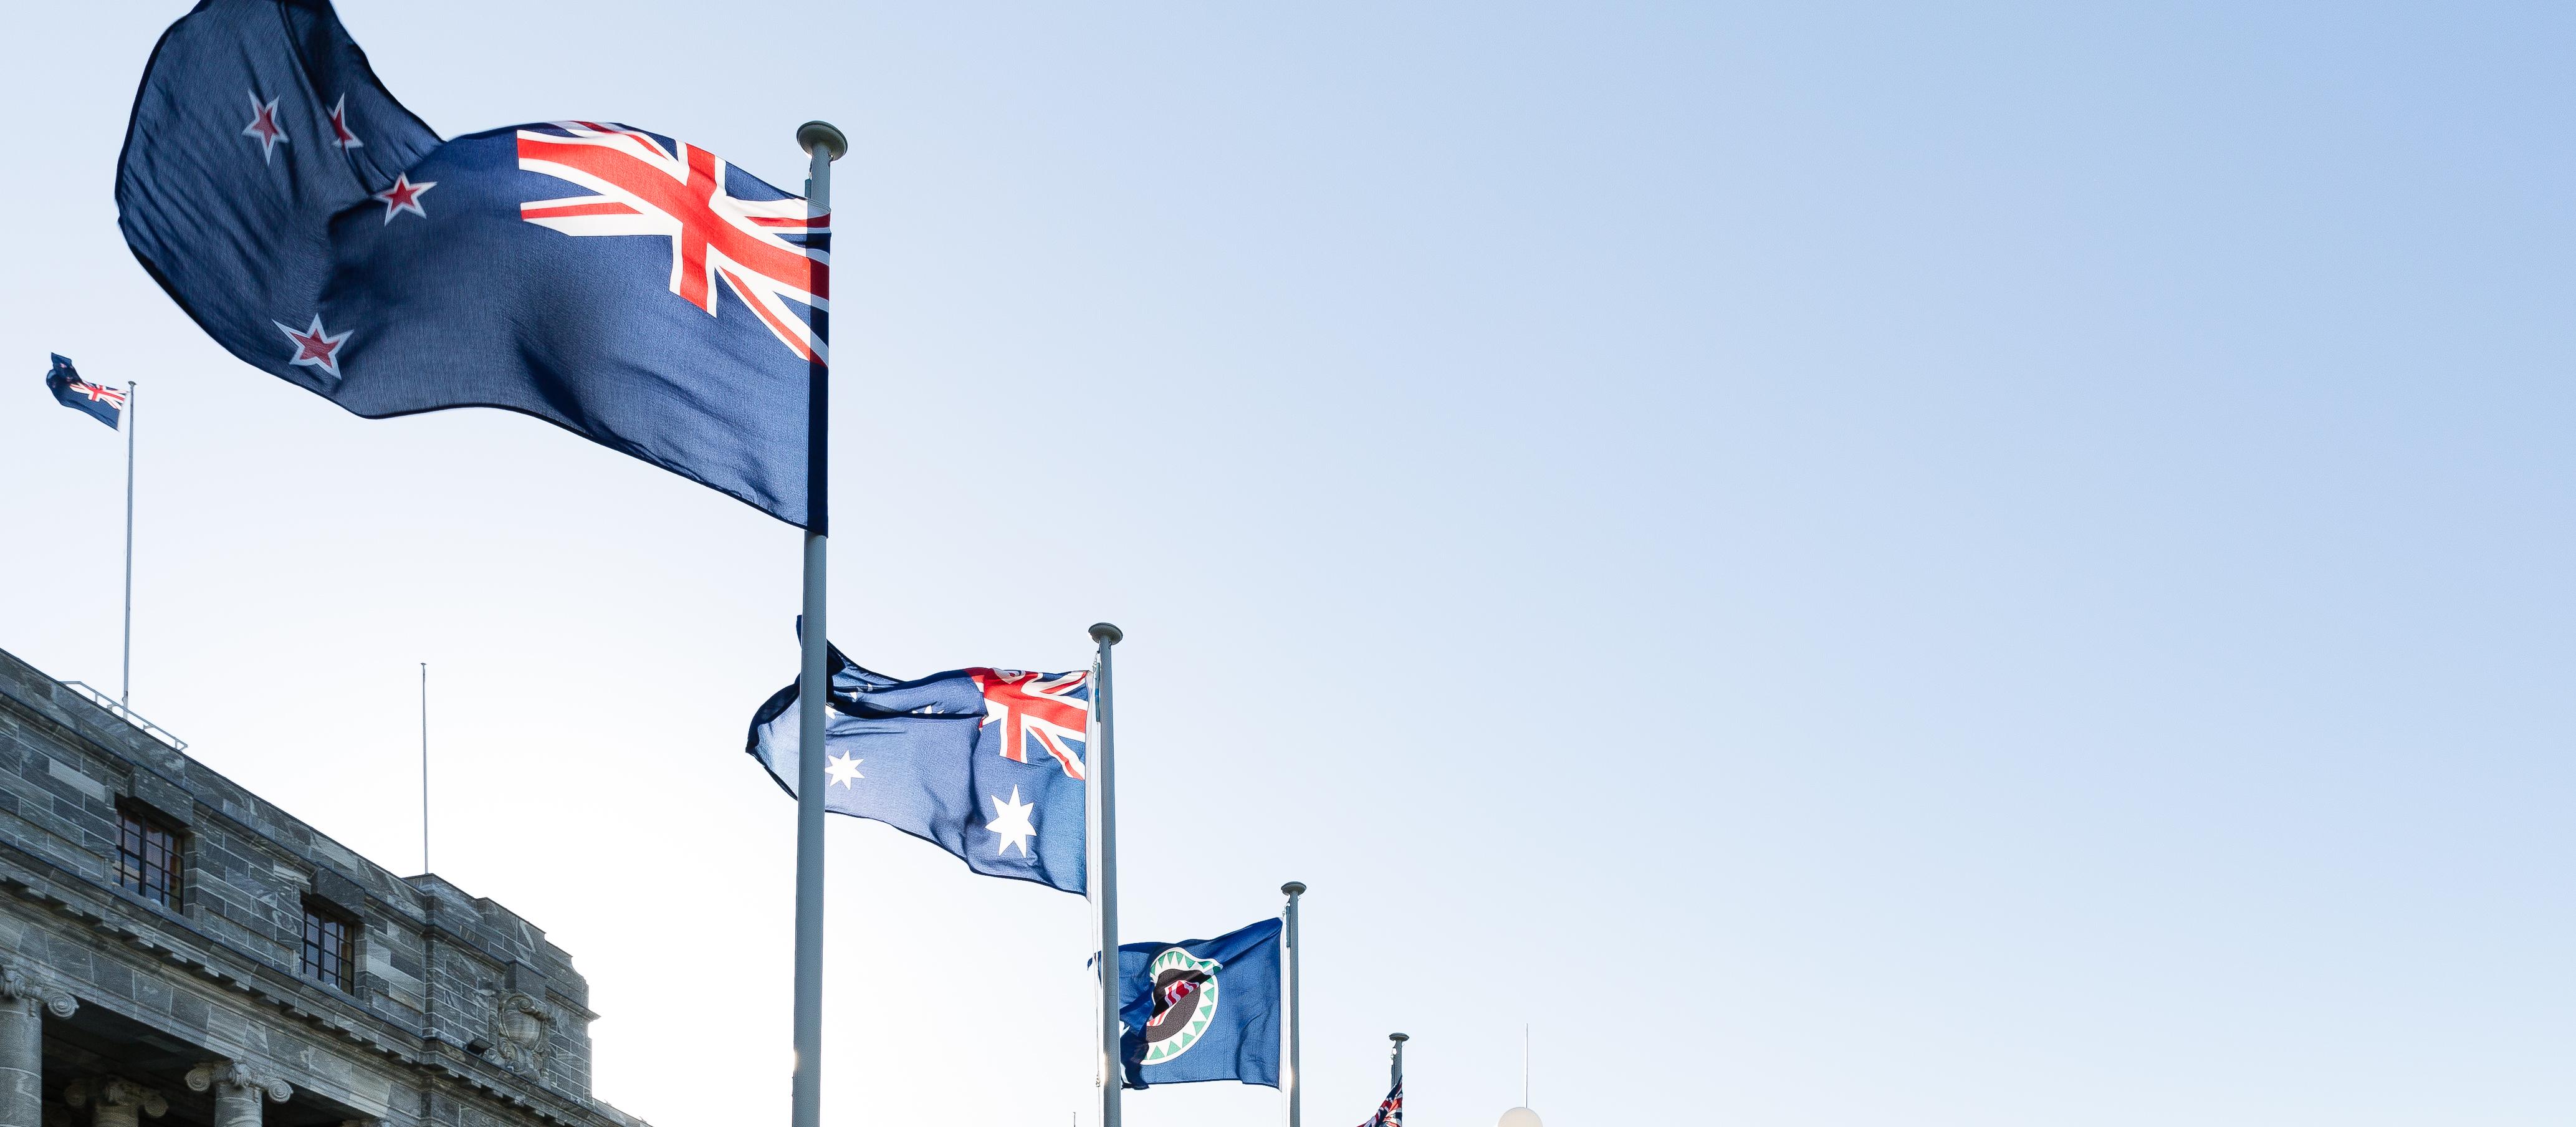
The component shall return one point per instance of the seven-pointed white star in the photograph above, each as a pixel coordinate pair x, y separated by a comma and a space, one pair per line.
843, 769
1012, 823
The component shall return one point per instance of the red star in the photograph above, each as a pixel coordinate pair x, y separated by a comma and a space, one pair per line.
405, 196
315, 347
263, 125
340, 134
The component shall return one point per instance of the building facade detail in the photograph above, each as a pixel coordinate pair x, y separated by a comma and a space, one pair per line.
22, 985
115, 1101
446, 1009
521, 1023
26, 995
238, 1088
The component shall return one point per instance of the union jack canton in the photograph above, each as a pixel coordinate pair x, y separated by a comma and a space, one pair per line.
1390, 1112
105, 404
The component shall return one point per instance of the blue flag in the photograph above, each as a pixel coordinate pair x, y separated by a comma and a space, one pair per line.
1201, 1009
632, 289
105, 404
985, 763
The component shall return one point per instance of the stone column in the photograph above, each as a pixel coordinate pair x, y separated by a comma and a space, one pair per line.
25, 995
237, 1088
115, 1102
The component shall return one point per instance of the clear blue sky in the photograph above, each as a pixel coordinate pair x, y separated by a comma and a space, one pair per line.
1851, 565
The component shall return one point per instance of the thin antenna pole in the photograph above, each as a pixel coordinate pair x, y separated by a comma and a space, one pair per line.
1524, 1064
424, 767
125, 680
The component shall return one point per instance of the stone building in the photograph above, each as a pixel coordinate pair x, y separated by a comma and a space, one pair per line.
176, 952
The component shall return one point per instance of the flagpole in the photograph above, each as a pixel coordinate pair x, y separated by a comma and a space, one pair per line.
1104, 880
1395, 1072
125, 679
424, 767
823, 144
1296, 1036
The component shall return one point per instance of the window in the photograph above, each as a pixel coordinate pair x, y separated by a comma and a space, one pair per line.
326, 945
147, 857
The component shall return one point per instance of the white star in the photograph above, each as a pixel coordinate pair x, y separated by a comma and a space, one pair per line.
1012, 823
843, 769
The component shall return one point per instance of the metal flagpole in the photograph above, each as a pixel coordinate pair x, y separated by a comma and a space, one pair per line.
1395, 1073
125, 680
1104, 879
1296, 1036
823, 144
424, 767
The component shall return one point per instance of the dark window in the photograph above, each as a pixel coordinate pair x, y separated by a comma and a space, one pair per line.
147, 857
327, 935
328, 945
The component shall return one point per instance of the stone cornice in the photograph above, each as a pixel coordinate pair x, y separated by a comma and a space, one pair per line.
305, 1004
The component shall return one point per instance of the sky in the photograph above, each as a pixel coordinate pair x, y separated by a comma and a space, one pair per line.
1843, 564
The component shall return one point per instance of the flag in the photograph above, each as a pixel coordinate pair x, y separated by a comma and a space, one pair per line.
1390, 1112
623, 285
985, 763
98, 401
1201, 1009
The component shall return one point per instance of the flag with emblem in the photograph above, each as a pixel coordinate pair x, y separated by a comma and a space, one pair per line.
1201, 1009
1390, 1111
98, 401
984, 763
619, 283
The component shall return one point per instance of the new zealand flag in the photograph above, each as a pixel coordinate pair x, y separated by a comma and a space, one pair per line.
985, 763
628, 287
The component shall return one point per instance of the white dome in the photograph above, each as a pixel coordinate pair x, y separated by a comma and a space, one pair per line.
1519, 1117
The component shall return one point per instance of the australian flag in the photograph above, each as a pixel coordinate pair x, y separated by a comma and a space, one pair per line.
1201, 1009
105, 404
628, 287
985, 763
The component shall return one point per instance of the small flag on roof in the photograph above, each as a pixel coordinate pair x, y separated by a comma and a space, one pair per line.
105, 404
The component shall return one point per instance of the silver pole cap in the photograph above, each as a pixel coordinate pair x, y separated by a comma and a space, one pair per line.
1398, 1038
1292, 888
825, 136
1104, 632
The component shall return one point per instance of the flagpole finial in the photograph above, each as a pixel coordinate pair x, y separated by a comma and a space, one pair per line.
1294, 888
1104, 632
822, 135
1398, 1038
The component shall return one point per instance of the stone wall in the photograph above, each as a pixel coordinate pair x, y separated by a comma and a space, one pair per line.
459, 1011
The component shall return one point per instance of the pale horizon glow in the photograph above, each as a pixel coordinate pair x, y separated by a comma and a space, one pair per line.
1851, 564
